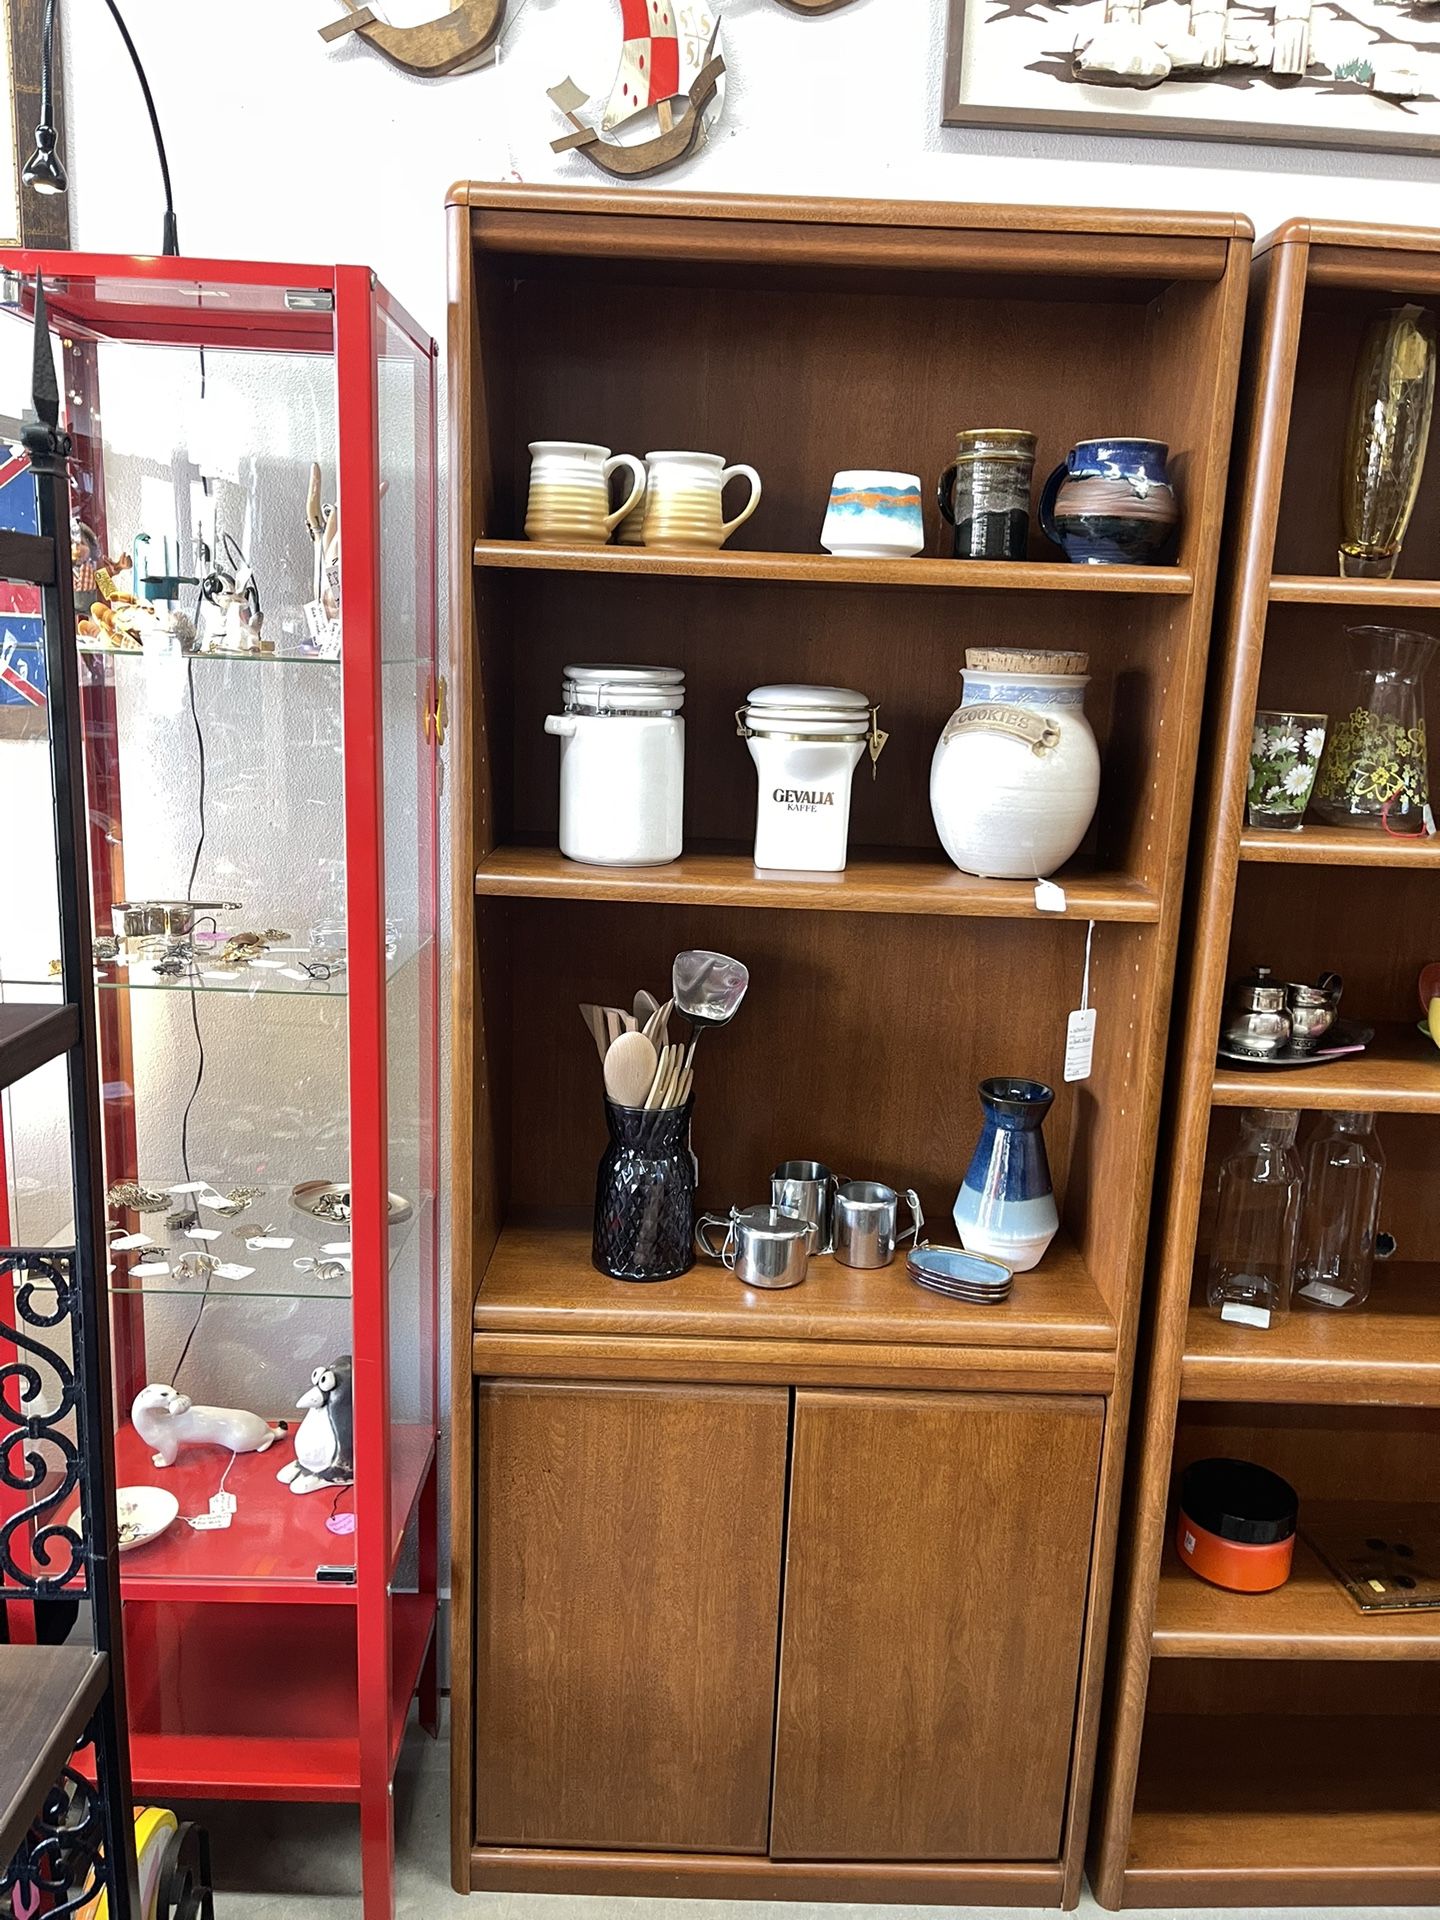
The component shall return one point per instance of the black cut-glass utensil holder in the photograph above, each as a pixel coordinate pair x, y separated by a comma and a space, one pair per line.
645, 1195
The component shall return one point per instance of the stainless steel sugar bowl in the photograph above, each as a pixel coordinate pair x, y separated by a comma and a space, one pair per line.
1257, 1020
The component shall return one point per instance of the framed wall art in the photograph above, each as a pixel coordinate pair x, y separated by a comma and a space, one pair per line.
1345, 73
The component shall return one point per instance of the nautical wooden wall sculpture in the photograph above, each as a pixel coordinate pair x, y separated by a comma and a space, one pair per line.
649, 77
453, 43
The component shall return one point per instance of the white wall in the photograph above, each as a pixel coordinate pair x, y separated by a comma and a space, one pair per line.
285, 149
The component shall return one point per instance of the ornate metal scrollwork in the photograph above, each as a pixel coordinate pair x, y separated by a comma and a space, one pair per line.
60, 1867
40, 1399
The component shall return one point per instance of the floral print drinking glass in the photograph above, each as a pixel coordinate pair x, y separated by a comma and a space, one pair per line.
1285, 751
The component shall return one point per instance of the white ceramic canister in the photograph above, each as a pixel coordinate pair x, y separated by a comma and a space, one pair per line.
622, 765
1016, 773
806, 743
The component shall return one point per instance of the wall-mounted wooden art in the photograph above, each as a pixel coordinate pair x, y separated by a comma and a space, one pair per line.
452, 43
667, 114
27, 218
1345, 73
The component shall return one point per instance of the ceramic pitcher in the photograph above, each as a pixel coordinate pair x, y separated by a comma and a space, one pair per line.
683, 512
569, 503
1110, 503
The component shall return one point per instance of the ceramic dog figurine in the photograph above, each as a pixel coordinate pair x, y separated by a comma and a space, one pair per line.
325, 1438
167, 1420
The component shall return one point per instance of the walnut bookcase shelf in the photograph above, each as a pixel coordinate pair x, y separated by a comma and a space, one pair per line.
900, 881
826, 569
638, 1469
1243, 1731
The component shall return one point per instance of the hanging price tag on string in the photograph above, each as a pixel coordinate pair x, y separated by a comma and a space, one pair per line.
1080, 1028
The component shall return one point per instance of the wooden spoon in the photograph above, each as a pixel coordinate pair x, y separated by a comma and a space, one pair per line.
630, 1063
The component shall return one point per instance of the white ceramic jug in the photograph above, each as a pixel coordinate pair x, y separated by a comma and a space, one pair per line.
569, 504
683, 513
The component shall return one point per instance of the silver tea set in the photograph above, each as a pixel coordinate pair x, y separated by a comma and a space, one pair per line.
811, 1210
1266, 1015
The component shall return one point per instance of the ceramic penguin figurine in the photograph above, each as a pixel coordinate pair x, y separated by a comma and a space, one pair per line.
325, 1438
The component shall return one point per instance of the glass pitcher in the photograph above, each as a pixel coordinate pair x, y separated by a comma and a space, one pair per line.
1373, 772
1394, 390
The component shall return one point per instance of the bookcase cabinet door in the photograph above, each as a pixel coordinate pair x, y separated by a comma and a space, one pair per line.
936, 1570
628, 1580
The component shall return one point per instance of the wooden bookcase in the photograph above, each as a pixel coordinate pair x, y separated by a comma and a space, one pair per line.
1280, 1748
706, 1540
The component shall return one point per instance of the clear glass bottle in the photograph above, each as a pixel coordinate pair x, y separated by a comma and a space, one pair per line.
1252, 1259
1344, 1169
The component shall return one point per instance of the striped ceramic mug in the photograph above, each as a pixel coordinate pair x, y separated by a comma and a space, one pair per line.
569, 504
682, 511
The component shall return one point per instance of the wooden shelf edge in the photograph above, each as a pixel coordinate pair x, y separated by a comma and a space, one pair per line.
1303, 589
830, 570
1398, 1073
1311, 1617
1264, 1886
47, 1695
1315, 846
751, 1877
870, 884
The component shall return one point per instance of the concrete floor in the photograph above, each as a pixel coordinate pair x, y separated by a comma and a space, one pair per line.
303, 1863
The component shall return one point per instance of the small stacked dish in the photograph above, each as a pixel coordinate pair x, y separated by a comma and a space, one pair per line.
959, 1275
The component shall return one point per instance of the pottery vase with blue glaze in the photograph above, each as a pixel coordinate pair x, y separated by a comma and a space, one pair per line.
1006, 1206
1110, 503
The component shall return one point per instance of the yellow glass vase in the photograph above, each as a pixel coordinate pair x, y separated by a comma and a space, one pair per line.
1385, 448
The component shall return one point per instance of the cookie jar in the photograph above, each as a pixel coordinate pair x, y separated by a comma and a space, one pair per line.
1016, 774
622, 765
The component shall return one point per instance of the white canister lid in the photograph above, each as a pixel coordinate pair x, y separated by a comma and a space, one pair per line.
615, 689
840, 711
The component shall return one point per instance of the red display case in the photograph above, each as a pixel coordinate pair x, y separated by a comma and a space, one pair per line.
285, 767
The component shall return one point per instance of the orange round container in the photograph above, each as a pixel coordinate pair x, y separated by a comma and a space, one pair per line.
1237, 1525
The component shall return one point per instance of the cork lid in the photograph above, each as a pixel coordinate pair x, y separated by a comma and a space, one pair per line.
1025, 660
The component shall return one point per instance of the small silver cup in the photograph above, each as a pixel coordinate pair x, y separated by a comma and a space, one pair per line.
763, 1247
807, 1187
867, 1219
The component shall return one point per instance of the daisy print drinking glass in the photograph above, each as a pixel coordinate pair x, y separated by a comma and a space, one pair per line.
1285, 751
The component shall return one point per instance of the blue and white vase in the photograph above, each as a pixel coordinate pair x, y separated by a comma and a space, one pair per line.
874, 515
1006, 1205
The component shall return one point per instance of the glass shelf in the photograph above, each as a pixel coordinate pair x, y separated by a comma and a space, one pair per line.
274, 1275
157, 661
254, 978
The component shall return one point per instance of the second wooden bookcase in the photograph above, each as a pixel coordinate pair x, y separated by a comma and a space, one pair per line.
1281, 1748
803, 1594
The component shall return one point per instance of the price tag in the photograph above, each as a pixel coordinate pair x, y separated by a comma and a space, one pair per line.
190, 1186
128, 1240
1244, 1316
225, 1503
261, 961
336, 1246
206, 1522
1327, 1295
1048, 897
269, 1242
149, 1269
232, 1270
1428, 818
315, 621
202, 1233
1079, 1043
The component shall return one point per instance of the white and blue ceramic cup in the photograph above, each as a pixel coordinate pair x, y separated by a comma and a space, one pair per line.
1006, 1206
874, 515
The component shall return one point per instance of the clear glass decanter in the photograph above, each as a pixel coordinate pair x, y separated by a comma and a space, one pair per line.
1252, 1259
1344, 1169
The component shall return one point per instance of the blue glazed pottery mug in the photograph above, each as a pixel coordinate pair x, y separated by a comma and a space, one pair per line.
1110, 503
1006, 1205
